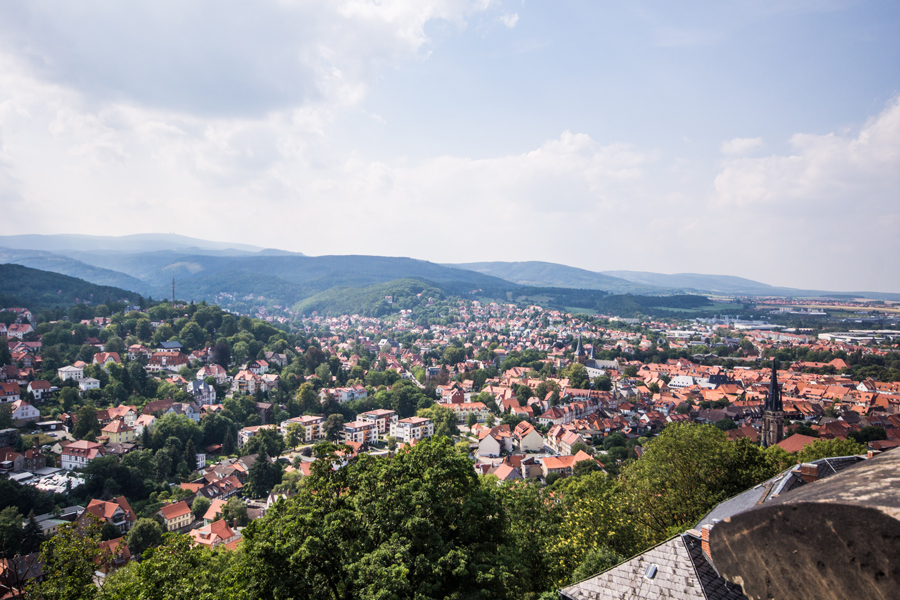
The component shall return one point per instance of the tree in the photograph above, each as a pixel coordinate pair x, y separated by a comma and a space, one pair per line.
235, 512
828, 448
725, 424
578, 376
687, 470
471, 420
200, 506
307, 399
295, 435
444, 420
190, 455
333, 427
260, 478
631, 371
603, 383
69, 566
32, 535
6, 416
87, 423
146, 533
580, 447
109, 532
267, 440
11, 533
419, 524
868, 434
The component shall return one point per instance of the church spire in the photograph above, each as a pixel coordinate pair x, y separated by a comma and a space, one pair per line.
773, 418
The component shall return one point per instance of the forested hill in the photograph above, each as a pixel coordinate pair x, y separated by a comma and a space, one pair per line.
23, 286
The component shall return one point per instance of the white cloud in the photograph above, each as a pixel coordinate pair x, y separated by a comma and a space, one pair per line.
823, 171
228, 58
741, 145
509, 19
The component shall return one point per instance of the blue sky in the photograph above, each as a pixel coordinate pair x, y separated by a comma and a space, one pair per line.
743, 138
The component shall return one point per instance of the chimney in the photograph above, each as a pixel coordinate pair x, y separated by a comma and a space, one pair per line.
704, 543
809, 472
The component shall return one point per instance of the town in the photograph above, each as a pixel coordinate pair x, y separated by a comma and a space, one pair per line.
183, 418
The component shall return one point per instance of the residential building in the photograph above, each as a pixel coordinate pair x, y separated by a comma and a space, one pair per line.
177, 516
78, 454
70, 372
23, 413
116, 512
310, 426
9, 391
88, 383
412, 428
119, 432
214, 534
360, 432
381, 417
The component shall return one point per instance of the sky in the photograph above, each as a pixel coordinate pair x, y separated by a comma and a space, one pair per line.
759, 139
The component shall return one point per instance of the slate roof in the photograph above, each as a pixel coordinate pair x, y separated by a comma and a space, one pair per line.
682, 573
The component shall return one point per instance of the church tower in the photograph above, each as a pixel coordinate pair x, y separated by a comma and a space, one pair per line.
773, 417
580, 355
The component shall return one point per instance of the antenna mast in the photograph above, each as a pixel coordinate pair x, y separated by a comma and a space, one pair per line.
173, 290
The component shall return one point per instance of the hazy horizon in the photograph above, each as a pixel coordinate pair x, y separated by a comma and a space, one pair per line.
755, 140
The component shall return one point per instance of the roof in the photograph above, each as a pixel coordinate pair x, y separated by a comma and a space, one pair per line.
172, 511
681, 572
796, 442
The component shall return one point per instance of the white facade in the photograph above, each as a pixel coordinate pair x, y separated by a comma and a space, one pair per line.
413, 428
70, 372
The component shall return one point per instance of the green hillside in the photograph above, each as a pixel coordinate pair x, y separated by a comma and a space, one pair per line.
24, 286
370, 301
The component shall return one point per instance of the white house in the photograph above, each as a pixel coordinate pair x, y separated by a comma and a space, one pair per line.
202, 392
70, 372
23, 413
78, 454
9, 391
88, 383
527, 438
40, 389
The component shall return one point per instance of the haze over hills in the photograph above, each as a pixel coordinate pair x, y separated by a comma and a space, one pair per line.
141, 242
247, 275
544, 274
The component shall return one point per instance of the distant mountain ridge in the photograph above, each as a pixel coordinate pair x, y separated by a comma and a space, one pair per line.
544, 274
241, 276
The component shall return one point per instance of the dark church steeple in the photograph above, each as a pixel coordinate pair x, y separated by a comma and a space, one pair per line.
773, 418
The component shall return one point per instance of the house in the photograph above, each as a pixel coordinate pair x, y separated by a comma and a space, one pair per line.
143, 421
116, 512
166, 361
40, 389
526, 438
563, 465
214, 534
9, 391
78, 454
464, 409
23, 413
247, 382
246, 433
70, 372
202, 392
380, 417
114, 554
412, 428
360, 432
177, 516
104, 358
310, 426
215, 371
19, 330
119, 432
492, 441
88, 383
160, 407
